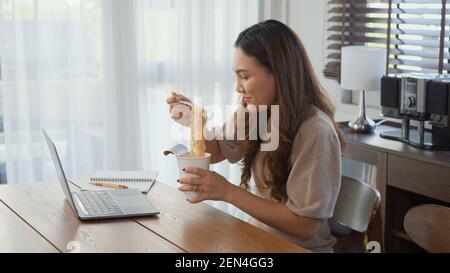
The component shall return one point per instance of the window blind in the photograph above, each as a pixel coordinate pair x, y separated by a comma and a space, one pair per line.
415, 32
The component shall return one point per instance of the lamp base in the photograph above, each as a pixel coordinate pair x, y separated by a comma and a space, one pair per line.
362, 123
362, 126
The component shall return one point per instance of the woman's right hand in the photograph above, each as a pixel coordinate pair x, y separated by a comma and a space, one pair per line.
180, 108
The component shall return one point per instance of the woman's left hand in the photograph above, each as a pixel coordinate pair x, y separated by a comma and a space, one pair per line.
210, 185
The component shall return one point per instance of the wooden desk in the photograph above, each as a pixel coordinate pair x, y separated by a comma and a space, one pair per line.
406, 176
39, 219
17, 236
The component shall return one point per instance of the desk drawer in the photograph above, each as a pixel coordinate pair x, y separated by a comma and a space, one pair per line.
419, 177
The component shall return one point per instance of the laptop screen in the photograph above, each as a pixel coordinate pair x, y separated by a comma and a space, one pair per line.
59, 170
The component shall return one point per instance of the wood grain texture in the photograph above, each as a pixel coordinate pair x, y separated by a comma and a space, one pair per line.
17, 236
43, 206
202, 228
429, 227
419, 177
374, 141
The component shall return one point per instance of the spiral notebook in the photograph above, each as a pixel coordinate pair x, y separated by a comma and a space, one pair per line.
141, 181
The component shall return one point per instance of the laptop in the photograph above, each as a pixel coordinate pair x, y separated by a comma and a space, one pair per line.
105, 204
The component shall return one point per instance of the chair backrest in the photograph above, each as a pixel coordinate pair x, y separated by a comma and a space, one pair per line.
429, 227
357, 204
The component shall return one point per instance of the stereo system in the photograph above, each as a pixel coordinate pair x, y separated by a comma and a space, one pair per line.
420, 97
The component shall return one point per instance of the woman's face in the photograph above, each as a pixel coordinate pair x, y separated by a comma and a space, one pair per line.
253, 81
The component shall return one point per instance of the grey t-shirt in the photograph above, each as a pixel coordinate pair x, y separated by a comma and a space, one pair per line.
313, 183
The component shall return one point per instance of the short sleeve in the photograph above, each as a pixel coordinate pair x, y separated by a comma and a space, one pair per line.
314, 181
229, 145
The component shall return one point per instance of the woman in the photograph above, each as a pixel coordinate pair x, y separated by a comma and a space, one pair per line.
297, 184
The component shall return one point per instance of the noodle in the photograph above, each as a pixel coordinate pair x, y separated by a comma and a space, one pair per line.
197, 122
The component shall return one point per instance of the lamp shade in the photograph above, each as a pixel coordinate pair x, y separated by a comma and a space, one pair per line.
362, 67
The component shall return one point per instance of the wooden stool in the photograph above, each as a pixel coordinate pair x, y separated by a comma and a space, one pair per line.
429, 227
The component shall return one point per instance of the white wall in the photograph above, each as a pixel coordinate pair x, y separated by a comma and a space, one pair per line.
308, 18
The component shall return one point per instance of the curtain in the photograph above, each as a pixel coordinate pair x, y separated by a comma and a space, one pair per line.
193, 56
96, 74
53, 62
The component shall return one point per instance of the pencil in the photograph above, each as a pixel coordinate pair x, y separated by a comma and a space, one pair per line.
108, 185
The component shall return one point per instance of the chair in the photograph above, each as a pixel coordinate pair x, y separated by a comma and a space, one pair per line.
356, 208
429, 227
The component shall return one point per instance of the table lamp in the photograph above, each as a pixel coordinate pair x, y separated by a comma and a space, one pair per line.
361, 70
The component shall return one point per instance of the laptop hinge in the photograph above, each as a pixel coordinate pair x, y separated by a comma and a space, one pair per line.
80, 204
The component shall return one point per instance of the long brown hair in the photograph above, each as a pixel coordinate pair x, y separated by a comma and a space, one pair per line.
279, 50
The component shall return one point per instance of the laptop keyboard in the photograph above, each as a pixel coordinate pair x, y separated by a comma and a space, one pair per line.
99, 203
